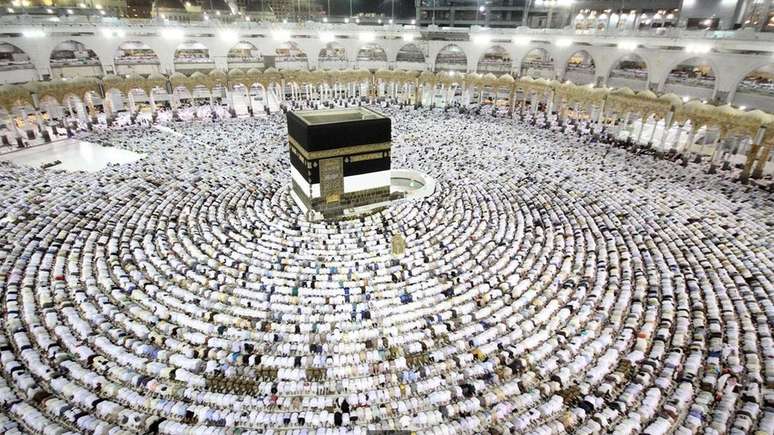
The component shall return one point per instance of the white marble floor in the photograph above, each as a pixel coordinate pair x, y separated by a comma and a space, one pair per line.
76, 155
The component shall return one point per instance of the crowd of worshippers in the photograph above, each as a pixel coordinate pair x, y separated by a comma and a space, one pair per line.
552, 284
198, 110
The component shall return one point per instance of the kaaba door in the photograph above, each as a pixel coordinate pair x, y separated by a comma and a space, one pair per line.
332, 180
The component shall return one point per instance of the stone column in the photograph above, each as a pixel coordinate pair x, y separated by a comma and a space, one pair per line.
667, 129
763, 157
748, 164
715, 155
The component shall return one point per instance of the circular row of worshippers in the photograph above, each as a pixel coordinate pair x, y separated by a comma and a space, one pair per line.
185, 293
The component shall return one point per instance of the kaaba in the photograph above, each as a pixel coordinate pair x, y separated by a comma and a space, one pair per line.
340, 159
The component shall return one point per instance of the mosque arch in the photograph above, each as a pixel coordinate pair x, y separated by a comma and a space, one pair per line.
74, 59
496, 60
289, 55
244, 54
16, 64
694, 77
135, 57
580, 68
332, 56
631, 71
537, 63
410, 53
192, 56
756, 88
371, 56
451, 58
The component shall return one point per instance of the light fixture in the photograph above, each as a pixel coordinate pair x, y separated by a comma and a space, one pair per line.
379, 21
366, 37
408, 37
172, 33
81, 5
69, 12
520, 40
217, 13
413, 22
206, 17
247, 18
482, 9
563, 42
10, 10
627, 45
98, 7
481, 38
390, 21
102, 12
281, 35
229, 35
50, 11
34, 33
357, 20
325, 19
698, 48
742, 107
326, 37
346, 20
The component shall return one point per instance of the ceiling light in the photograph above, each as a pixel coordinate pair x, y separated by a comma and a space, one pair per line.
521, 40
698, 48
229, 35
281, 35
366, 37
34, 33
481, 38
172, 33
